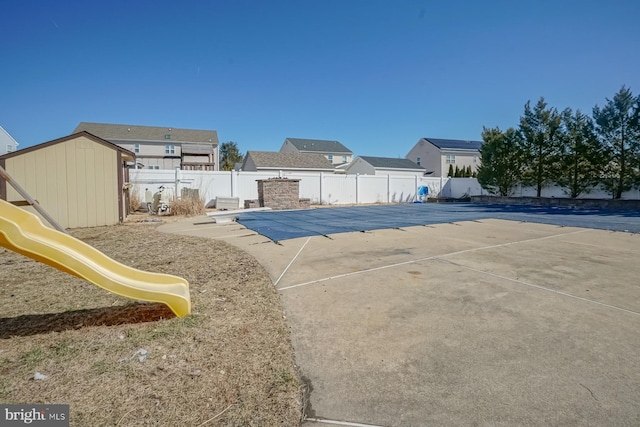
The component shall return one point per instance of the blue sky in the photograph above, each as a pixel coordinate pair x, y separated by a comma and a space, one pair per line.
375, 75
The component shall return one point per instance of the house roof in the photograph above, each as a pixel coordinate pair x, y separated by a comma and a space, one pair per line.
391, 163
455, 144
126, 154
319, 145
275, 160
116, 132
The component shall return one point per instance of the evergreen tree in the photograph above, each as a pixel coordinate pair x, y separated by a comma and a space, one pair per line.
467, 172
541, 142
457, 172
229, 155
618, 128
502, 161
450, 174
582, 157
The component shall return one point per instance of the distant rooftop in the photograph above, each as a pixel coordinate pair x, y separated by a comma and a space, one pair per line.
116, 132
455, 144
270, 159
319, 145
391, 163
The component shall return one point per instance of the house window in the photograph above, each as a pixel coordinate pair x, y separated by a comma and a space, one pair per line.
475, 159
344, 159
418, 161
167, 136
153, 167
9, 148
136, 148
330, 157
450, 159
169, 149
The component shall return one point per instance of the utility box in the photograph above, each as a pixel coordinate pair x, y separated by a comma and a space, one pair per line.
225, 203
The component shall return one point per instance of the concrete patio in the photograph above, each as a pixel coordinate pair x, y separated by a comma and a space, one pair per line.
487, 322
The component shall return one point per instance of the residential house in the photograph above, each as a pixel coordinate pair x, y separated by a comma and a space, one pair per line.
367, 165
334, 151
80, 179
7, 143
162, 147
268, 161
435, 155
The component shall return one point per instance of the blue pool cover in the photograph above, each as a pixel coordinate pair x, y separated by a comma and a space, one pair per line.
283, 225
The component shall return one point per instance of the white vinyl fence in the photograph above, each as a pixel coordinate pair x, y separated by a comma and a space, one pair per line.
320, 188
325, 188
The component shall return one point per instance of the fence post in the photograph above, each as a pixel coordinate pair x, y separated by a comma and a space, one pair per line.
321, 179
357, 187
234, 183
388, 188
177, 182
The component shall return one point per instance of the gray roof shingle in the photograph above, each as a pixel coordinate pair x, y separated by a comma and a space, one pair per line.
270, 159
319, 145
455, 144
391, 163
115, 132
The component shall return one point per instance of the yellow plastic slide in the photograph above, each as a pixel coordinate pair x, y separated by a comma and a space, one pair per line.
23, 232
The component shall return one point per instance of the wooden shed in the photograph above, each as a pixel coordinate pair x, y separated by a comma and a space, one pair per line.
78, 179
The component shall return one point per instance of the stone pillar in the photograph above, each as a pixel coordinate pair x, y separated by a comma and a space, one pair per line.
279, 193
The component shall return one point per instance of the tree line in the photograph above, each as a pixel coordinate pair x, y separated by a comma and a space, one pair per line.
567, 148
465, 172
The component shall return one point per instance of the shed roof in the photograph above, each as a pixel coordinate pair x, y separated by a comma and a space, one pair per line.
455, 144
270, 159
126, 154
148, 133
319, 145
391, 163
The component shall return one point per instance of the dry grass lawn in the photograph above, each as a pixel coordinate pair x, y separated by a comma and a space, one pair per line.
118, 362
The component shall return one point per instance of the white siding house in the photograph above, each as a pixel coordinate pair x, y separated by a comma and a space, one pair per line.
367, 165
435, 155
7, 143
162, 147
333, 151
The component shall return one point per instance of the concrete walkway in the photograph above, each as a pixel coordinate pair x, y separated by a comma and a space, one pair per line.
488, 322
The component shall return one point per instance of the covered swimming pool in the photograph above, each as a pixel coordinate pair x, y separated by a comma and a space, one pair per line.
283, 225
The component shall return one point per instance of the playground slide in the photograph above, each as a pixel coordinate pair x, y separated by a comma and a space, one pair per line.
23, 232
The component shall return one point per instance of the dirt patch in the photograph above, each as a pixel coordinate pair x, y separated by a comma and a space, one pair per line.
118, 362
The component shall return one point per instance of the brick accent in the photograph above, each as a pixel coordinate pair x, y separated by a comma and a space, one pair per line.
248, 204
560, 201
279, 193
305, 203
